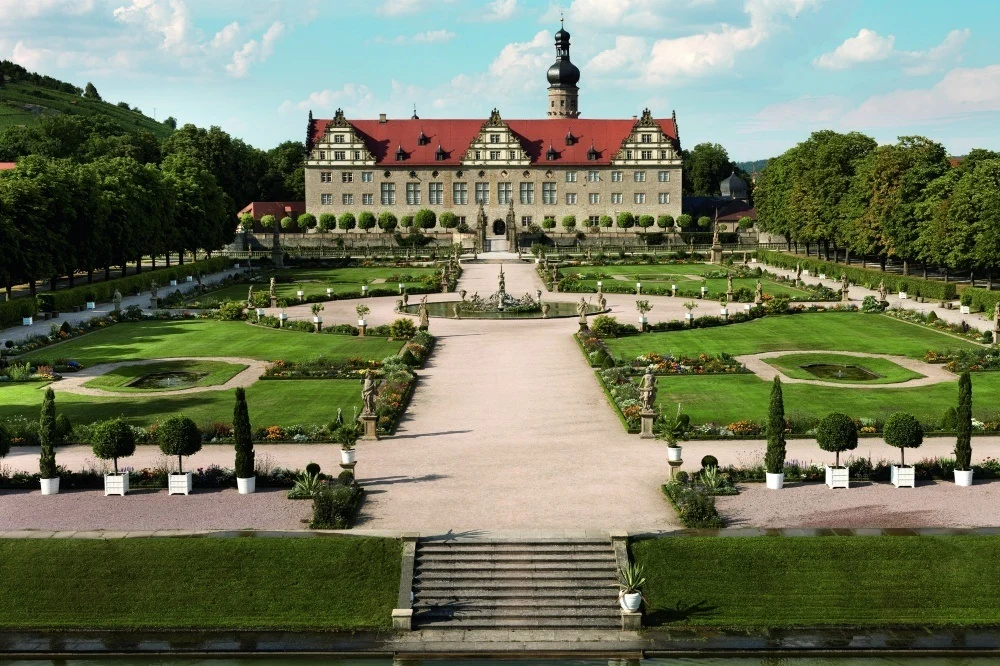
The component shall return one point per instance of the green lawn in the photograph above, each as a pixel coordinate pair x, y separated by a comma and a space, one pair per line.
826, 331
271, 402
212, 373
685, 276
887, 371
723, 399
206, 338
322, 583
315, 281
762, 582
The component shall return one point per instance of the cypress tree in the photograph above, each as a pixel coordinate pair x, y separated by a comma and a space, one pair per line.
47, 437
963, 426
244, 440
774, 458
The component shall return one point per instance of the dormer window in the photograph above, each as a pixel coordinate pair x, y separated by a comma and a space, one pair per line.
570, 139
439, 154
551, 153
400, 154
591, 154
422, 140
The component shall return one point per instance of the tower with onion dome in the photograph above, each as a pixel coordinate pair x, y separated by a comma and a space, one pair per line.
563, 76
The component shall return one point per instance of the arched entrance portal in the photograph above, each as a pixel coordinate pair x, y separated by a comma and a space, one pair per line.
499, 227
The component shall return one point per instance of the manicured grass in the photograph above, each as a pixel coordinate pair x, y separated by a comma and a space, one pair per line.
685, 276
761, 582
716, 287
314, 281
212, 373
887, 371
274, 402
826, 331
723, 399
207, 338
199, 583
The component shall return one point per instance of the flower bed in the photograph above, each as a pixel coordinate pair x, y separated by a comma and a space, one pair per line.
702, 364
321, 368
973, 360
93, 479
695, 505
931, 320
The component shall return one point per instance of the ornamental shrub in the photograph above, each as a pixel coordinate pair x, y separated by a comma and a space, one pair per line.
5, 441
47, 437
665, 221
871, 305
745, 222
113, 439
246, 222
327, 221
931, 317
950, 419
569, 222
903, 431
387, 222
366, 221
347, 222
963, 423
306, 221
243, 436
606, 221
605, 326
449, 220
334, 506
406, 222
704, 222
425, 218
179, 436
626, 220
837, 432
287, 223
709, 461
402, 329
268, 221
313, 469
645, 221
774, 456
684, 220
64, 429
549, 223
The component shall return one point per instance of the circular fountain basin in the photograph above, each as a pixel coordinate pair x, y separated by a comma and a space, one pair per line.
837, 371
447, 309
166, 380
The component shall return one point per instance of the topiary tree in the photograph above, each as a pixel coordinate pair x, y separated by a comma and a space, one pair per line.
387, 222
645, 221
327, 221
549, 223
406, 221
64, 429
306, 221
449, 220
287, 223
366, 221
179, 436
425, 219
626, 220
837, 432
606, 221
774, 456
963, 424
704, 222
47, 437
268, 221
5, 441
242, 434
347, 222
903, 431
113, 439
246, 222
665, 221
684, 220
569, 222
745, 222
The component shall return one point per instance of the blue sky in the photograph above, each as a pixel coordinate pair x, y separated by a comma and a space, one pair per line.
754, 75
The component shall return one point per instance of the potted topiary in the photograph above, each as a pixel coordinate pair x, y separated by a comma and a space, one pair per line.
724, 306
246, 481
47, 472
179, 436
114, 439
317, 319
346, 436
963, 430
5, 442
903, 431
966, 303
630, 582
774, 457
903, 287
90, 300
643, 307
835, 433
674, 429
362, 311
689, 315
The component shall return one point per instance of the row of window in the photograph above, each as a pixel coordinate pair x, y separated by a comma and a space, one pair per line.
592, 177
460, 195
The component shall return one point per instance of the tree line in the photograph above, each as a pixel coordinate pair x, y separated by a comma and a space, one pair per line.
903, 202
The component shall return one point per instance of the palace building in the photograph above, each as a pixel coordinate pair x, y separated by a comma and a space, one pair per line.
521, 170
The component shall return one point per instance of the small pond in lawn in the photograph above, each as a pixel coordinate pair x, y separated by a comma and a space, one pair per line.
448, 309
167, 380
836, 371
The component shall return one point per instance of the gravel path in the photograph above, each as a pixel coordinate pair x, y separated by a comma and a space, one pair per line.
932, 374
865, 504
74, 383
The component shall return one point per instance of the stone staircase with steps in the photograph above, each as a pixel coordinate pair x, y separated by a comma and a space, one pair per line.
508, 584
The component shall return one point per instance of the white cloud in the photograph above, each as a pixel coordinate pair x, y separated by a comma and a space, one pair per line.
171, 19
627, 53
400, 7
15, 9
868, 46
812, 112
253, 52
946, 53
226, 37
428, 37
354, 98
500, 10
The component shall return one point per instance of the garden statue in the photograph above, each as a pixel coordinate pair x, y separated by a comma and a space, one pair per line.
538, 295
197, 277
647, 390
399, 305
503, 281
250, 297
406, 298
272, 292
758, 293
845, 285
603, 302
152, 289
882, 292
462, 293
715, 234
117, 299
996, 323
729, 285
746, 259
368, 395
581, 309
798, 272
545, 310
422, 312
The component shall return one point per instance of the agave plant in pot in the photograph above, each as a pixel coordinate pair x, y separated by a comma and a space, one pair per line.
630, 583
674, 429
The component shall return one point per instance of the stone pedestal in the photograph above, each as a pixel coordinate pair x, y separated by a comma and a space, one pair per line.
646, 431
716, 254
675, 466
274, 301
402, 619
361, 330
317, 326
369, 421
154, 303
730, 297
349, 466
583, 327
631, 621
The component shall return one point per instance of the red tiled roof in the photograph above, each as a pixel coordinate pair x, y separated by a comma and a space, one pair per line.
455, 137
7, 166
277, 208
737, 210
953, 161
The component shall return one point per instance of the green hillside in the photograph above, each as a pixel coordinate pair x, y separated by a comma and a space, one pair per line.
24, 102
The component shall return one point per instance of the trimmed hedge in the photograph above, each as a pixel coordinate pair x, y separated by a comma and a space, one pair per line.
933, 289
983, 300
12, 312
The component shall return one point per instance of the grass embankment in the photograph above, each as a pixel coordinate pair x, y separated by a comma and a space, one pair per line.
210, 373
761, 582
888, 372
198, 583
315, 281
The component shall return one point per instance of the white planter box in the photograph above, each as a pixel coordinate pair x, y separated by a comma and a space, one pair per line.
822, 276
300, 293
674, 453
775, 481
247, 486
364, 290
966, 309
642, 322
902, 295
838, 477
689, 316
189, 278
173, 283
347, 457
179, 484
50, 486
27, 321
317, 320
704, 290
115, 484
329, 292
91, 305
963, 478
806, 273
283, 317
362, 322
236, 265
260, 312
724, 312
903, 477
